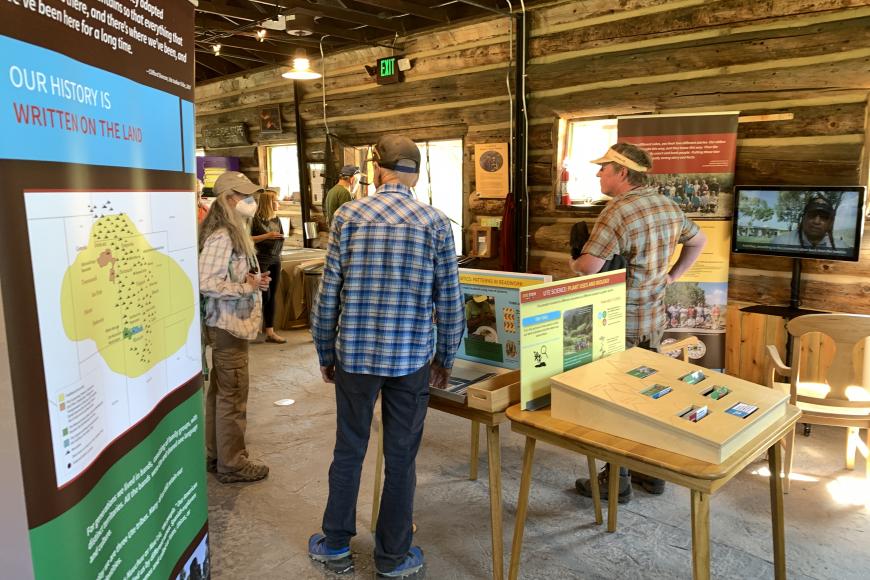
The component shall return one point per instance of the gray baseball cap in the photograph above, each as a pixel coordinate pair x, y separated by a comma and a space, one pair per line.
233, 181
398, 153
349, 171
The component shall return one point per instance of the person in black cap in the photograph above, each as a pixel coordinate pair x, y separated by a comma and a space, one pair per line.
340, 193
815, 226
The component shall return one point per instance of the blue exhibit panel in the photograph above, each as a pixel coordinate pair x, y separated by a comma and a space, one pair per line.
55, 108
541, 318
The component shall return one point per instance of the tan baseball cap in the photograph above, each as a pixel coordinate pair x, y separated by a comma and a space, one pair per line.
235, 182
613, 156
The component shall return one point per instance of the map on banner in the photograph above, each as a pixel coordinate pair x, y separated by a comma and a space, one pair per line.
115, 278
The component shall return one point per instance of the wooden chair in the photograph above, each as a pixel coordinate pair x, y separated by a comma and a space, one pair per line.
843, 400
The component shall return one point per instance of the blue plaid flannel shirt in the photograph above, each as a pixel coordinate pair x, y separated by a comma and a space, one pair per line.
390, 259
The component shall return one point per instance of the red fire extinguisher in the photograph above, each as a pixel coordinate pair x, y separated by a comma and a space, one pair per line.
563, 187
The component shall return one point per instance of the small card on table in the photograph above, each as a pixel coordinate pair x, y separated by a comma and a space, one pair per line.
642, 372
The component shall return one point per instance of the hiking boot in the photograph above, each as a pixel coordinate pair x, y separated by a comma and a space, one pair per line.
211, 465
412, 564
337, 560
585, 489
249, 472
650, 484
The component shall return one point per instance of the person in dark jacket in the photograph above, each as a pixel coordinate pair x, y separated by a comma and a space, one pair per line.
268, 236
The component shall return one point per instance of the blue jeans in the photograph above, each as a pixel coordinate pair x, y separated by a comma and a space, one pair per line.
404, 402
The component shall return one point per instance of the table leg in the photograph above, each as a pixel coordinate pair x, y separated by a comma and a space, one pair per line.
701, 535
475, 451
493, 449
774, 455
612, 496
379, 471
596, 492
522, 508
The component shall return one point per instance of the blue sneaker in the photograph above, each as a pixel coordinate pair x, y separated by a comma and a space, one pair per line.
319, 552
412, 564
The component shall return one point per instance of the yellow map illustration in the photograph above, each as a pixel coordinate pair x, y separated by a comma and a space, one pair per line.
130, 298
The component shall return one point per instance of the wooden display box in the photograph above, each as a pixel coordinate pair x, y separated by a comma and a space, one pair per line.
495, 394
484, 241
603, 396
492, 391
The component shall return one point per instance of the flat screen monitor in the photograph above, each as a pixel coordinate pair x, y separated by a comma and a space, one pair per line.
816, 222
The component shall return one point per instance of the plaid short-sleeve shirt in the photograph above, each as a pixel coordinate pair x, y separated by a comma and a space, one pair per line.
645, 228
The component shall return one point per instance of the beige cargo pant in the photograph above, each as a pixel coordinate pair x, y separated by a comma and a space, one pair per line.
226, 402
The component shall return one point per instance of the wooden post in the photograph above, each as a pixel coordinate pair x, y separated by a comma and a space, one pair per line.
594, 488
475, 451
774, 456
522, 508
305, 196
701, 534
493, 448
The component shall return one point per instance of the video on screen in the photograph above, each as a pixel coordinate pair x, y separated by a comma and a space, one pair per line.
821, 223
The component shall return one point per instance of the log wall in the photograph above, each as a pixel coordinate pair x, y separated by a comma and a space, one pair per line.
804, 59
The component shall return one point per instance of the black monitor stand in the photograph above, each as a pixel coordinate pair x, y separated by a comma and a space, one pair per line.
793, 310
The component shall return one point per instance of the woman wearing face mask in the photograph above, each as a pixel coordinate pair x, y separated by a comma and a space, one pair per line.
230, 283
268, 236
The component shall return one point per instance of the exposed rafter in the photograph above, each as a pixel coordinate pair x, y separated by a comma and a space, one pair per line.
330, 25
406, 7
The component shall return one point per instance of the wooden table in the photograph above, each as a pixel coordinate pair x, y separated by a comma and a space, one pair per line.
703, 479
491, 420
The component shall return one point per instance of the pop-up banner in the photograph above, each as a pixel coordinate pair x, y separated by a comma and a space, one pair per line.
99, 287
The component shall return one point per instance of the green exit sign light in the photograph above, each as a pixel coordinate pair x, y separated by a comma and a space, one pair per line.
388, 72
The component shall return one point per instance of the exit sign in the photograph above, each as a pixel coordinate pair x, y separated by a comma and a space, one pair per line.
388, 70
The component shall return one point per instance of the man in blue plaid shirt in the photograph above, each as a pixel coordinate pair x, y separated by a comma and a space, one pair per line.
390, 262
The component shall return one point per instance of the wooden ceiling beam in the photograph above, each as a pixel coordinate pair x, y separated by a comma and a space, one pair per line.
256, 46
497, 6
206, 25
216, 63
241, 55
320, 8
406, 7
221, 9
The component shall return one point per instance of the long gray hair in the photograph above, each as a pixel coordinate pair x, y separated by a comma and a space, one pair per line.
222, 215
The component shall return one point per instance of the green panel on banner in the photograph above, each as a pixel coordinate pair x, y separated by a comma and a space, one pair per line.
490, 351
139, 519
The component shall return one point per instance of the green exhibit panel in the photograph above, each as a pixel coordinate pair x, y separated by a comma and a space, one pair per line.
100, 347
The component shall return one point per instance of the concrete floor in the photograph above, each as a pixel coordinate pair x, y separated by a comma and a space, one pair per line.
260, 530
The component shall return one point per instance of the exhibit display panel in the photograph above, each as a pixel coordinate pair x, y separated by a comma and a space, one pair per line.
666, 403
492, 303
100, 287
567, 324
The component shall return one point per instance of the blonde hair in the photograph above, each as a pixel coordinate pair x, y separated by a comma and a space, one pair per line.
222, 215
264, 205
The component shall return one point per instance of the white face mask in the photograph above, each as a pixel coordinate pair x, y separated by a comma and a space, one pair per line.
247, 207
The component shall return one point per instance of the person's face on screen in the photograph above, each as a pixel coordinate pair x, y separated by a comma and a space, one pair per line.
817, 223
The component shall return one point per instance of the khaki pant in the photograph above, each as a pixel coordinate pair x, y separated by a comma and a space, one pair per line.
226, 402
